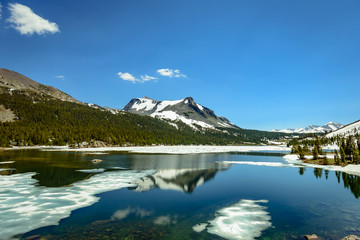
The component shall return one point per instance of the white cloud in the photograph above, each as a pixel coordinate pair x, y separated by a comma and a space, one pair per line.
127, 77
0, 10
24, 20
60, 77
166, 72
147, 78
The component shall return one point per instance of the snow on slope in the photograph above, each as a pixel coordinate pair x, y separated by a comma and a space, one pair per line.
350, 129
176, 117
145, 104
163, 104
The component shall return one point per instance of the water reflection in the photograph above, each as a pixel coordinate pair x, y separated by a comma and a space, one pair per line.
185, 180
58, 169
350, 181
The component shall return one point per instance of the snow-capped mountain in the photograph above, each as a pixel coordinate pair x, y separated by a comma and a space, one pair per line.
184, 110
330, 126
350, 129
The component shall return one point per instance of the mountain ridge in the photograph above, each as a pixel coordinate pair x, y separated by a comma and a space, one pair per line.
16, 81
330, 126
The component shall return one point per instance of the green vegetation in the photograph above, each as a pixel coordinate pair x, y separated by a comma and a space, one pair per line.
44, 120
349, 149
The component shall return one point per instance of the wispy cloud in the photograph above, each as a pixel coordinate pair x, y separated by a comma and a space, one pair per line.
167, 72
24, 20
129, 77
0, 10
147, 78
61, 77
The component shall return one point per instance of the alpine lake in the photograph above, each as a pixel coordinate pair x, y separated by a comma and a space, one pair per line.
120, 195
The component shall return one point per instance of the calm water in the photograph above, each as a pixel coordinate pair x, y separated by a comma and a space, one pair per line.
144, 196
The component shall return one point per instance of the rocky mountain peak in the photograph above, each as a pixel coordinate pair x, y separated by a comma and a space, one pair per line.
185, 110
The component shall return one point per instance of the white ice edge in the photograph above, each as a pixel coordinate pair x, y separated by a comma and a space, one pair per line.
268, 164
117, 168
95, 170
350, 169
199, 227
38, 147
245, 220
294, 161
97, 153
8, 162
180, 149
7, 169
25, 206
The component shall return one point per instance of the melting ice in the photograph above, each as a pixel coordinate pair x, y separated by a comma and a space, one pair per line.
24, 206
243, 220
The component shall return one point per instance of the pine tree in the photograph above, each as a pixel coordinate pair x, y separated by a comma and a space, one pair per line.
336, 158
342, 154
315, 153
301, 152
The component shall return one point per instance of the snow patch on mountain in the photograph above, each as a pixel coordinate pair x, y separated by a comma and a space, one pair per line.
176, 117
330, 126
164, 104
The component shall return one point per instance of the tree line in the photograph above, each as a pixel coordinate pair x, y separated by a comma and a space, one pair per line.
44, 120
349, 148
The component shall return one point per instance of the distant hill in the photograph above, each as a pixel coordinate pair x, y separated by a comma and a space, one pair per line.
328, 127
16, 81
185, 110
350, 129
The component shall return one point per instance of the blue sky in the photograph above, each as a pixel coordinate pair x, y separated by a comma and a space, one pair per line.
263, 64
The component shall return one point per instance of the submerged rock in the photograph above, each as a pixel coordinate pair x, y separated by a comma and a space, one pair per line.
96, 160
312, 237
351, 237
34, 237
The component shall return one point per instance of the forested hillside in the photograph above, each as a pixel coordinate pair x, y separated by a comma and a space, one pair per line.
42, 119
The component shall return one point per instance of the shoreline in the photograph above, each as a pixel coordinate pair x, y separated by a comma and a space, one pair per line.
177, 149
350, 168
292, 159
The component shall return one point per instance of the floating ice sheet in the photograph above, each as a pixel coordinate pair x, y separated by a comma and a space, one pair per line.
117, 168
199, 227
244, 220
24, 206
268, 164
7, 169
95, 170
8, 162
